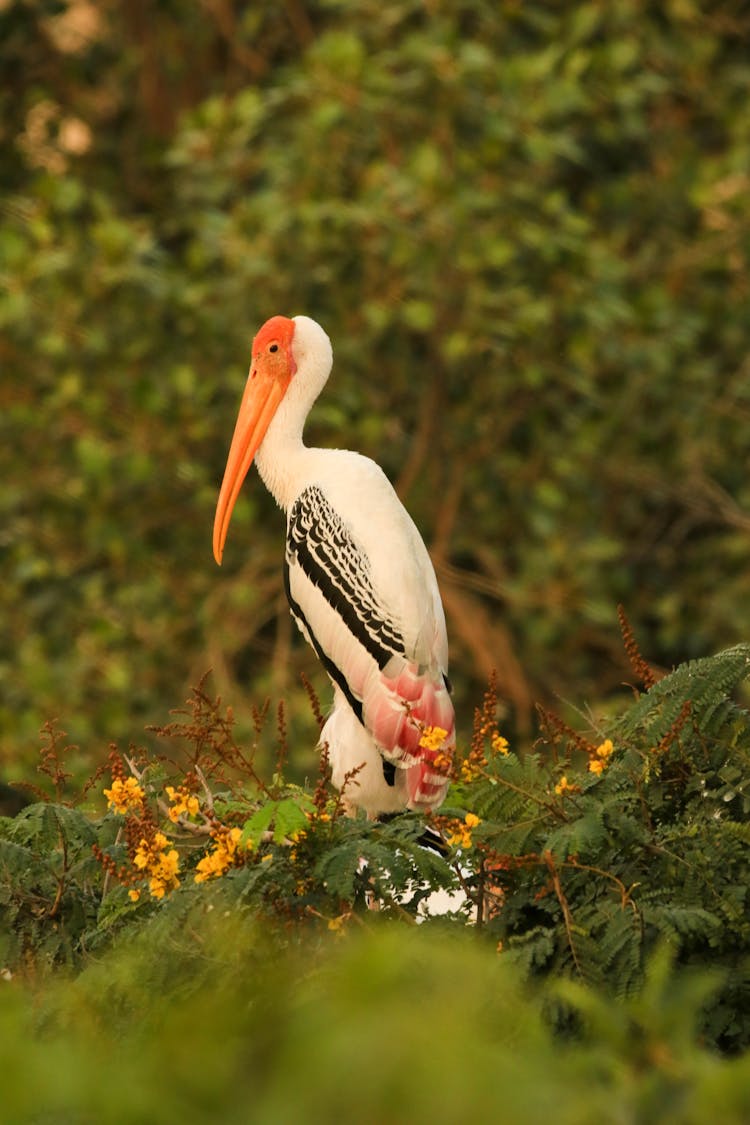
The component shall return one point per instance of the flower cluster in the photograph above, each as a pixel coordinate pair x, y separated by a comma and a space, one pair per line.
459, 832
182, 802
299, 855
472, 765
475, 761
223, 855
432, 739
599, 760
125, 796
297, 842
564, 786
499, 744
485, 731
160, 864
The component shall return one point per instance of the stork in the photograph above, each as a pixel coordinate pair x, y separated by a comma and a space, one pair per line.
360, 583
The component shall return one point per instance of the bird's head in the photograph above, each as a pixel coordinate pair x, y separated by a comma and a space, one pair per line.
282, 348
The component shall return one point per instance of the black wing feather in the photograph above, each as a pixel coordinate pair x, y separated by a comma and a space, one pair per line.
320, 543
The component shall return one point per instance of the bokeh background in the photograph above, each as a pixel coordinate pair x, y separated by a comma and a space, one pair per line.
526, 228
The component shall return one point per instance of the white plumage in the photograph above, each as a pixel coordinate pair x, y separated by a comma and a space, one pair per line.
359, 580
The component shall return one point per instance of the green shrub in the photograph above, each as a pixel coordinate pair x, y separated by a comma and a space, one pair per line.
203, 1016
576, 861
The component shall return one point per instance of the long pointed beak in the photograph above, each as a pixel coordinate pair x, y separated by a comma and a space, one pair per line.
260, 401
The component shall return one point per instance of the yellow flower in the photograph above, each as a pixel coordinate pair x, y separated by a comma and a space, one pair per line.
564, 786
183, 802
134, 894
295, 838
432, 738
499, 744
146, 854
164, 874
472, 767
600, 760
124, 795
161, 865
459, 835
221, 858
442, 762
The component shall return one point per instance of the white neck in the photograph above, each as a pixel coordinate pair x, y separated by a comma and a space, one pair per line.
280, 462
283, 459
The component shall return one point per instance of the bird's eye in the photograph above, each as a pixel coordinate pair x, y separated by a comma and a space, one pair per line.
274, 348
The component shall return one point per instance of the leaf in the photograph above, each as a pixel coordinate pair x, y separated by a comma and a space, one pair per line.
291, 816
286, 817
253, 829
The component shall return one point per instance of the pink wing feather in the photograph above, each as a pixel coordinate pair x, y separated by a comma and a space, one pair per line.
399, 711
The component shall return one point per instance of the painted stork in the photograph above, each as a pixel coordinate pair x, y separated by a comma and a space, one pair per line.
358, 577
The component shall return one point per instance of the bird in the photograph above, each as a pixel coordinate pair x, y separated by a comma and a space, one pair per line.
359, 581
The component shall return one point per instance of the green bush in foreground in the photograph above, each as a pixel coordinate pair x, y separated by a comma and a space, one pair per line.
210, 1021
219, 926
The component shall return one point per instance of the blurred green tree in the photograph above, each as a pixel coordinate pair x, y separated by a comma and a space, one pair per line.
526, 229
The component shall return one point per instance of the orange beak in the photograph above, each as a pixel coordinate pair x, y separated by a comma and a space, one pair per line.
264, 391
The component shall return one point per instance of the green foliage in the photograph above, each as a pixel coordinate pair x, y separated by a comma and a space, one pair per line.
206, 1020
526, 230
579, 862
50, 886
595, 869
